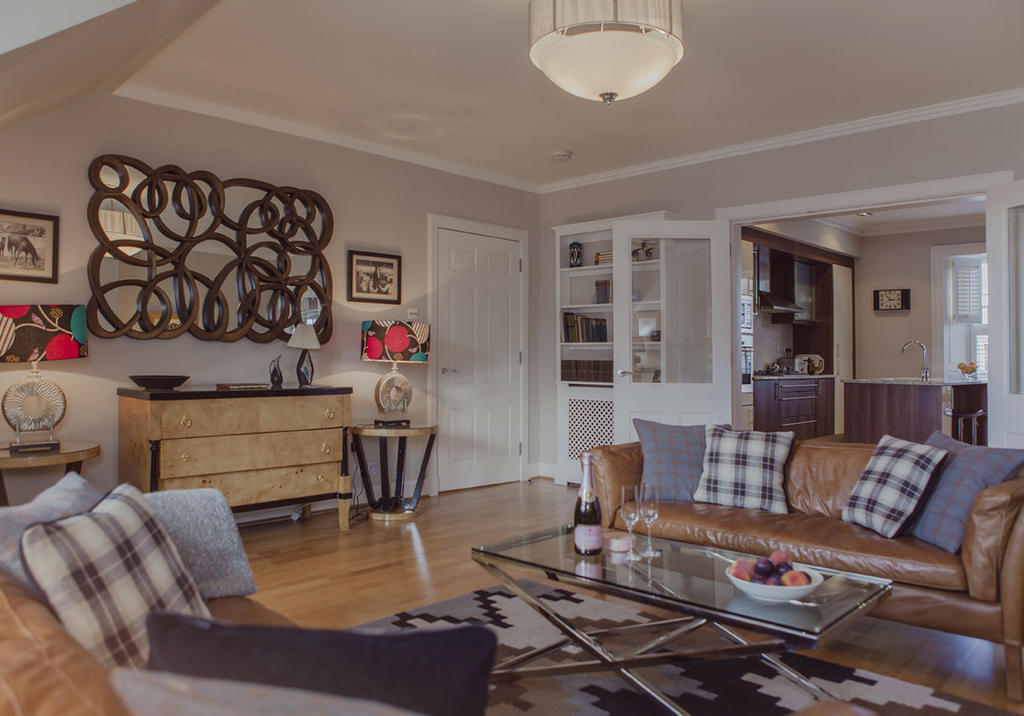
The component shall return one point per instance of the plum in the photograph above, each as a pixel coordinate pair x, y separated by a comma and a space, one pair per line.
758, 579
764, 567
772, 581
783, 567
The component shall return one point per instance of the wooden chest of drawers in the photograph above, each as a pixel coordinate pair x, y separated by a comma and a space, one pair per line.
261, 448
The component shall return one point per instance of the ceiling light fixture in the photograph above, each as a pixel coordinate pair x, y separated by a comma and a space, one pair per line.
605, 50
865, 213
561, 155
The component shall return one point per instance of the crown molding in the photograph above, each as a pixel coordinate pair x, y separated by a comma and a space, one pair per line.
867, 124
832, 223
287, 126
319, 134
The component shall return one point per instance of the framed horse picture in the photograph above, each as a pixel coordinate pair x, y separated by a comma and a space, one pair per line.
28, 246
374, 278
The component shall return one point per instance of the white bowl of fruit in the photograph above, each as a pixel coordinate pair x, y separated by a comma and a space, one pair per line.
773, 578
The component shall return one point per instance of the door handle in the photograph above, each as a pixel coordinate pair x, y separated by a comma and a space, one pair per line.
624, 373
448, 370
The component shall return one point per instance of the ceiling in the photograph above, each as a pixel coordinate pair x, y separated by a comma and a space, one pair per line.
929, 216
449, 82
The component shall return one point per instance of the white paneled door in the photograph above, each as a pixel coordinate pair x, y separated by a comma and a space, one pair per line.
478, 346
673, 323
1004, 239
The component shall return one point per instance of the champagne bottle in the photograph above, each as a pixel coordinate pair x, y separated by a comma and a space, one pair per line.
586, 519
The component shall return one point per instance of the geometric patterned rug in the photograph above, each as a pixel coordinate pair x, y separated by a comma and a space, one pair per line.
711, 688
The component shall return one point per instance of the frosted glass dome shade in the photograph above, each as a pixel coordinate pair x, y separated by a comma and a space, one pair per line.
603, 63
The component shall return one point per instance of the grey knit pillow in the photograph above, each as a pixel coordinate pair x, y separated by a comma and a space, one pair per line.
70, 496
203, 528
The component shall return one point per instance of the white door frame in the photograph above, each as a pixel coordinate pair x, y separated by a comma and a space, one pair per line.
840, 202
436, 222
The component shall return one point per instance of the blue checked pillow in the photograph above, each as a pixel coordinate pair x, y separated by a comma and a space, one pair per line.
673, 457
967, 471
891, 485
744, 469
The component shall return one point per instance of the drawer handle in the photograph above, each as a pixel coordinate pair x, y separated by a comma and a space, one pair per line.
186, 422
185, 457
325, 449
329, 414
320, 478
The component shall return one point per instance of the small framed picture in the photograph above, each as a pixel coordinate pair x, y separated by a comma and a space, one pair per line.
28, 246
374, 278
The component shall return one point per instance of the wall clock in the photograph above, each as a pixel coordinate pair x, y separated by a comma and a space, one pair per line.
892, 299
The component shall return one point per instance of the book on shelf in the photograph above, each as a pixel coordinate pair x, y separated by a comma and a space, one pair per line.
603, 291
587, 371
603, 257
583, 329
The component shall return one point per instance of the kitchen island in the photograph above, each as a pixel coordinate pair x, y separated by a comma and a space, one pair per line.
912, 409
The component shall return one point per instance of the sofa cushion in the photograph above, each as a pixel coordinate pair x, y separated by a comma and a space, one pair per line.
71, 495
203, 528
744, 468
892, 484
814, 539
820, 476
673, 457
424, 663
154, 692
42, 669
967, 470
103, 571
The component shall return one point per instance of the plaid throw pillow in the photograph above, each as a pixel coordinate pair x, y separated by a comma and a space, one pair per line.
891, 485
103, 571
967, 471
744, 469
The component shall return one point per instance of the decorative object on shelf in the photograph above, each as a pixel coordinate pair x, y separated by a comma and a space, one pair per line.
28, 246
606, 51
602, 257
643, 252
892, 299
394, 342
276, 377
304, 337
36, 333
197, 246
374, 278
158, 382
575, 254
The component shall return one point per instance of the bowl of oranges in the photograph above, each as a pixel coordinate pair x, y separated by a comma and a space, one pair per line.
968, 371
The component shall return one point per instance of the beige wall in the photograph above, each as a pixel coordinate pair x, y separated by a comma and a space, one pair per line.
378, 203
899, 261
964, 144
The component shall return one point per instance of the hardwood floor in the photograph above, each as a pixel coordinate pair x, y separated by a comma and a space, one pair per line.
320, 576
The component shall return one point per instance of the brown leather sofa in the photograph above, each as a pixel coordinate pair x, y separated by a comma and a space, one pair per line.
43, 670
977, 591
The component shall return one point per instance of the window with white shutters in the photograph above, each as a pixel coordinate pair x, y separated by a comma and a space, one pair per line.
967, 290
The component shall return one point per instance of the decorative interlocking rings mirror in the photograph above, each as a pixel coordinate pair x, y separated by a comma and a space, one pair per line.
184, 252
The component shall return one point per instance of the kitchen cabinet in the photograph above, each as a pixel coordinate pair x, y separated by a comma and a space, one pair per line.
802, 404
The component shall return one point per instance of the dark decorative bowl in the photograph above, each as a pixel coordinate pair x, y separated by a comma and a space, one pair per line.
158, 382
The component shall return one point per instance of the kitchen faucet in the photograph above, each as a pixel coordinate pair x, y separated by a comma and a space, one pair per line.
925, 373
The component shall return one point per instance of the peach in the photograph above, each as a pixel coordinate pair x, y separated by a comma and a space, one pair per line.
741, 569
795, 579
778, 557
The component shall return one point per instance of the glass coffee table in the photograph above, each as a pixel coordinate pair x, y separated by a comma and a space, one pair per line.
687, 579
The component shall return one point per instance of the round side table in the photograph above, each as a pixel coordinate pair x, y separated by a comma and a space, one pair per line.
71, 454
392, 506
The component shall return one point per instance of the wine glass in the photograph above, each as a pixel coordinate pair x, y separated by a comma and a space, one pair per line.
649, 513
630, 515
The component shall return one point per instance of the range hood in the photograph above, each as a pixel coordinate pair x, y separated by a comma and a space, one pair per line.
771, 303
